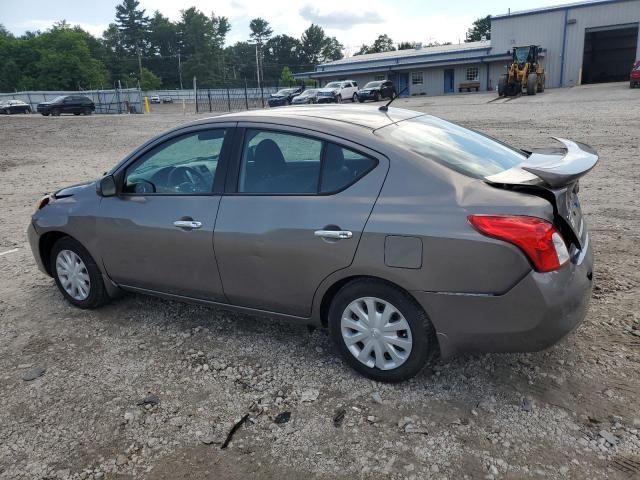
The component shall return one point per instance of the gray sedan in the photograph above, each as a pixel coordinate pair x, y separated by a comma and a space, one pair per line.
406, 235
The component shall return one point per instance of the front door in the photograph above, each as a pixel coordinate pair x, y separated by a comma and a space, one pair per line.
449, 80
296, 214
158, 233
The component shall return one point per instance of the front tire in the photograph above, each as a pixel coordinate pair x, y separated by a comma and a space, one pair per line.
502, 85
354, 99
381, 331
376, 97
77, 275
532, 84
339, 99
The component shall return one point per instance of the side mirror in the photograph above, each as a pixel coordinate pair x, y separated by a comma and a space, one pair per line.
106, 186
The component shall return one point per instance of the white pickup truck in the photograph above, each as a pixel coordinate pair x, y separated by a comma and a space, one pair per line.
338, 91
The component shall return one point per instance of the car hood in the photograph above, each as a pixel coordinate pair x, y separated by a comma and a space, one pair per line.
73, 189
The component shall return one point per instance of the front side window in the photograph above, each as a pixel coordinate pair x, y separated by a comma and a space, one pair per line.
463, 150
183, 165
416, 78
275, 162
472, 73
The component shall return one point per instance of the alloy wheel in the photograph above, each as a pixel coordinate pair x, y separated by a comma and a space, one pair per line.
376, 333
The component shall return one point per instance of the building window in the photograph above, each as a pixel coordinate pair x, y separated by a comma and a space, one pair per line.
416, 78
472, 73
380, 78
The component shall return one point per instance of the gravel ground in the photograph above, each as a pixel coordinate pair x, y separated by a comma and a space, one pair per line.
146, 388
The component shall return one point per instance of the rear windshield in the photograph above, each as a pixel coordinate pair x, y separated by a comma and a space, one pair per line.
463, 150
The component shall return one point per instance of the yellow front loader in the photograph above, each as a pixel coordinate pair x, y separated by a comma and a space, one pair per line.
524, 73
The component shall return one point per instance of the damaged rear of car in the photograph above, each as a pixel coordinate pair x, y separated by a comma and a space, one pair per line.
530, 283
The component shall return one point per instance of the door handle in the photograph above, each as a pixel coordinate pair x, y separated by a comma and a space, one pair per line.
191, 224
334, 234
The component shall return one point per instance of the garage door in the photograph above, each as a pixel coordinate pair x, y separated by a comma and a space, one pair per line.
609, 53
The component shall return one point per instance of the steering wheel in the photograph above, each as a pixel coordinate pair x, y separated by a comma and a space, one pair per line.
187, 179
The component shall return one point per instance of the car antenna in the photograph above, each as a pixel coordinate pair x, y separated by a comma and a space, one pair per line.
384, 108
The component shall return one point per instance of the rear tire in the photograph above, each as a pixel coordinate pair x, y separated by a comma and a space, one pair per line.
354, 99
87, 111
413, 329
502, 85
541, 84
71, 264
532, 84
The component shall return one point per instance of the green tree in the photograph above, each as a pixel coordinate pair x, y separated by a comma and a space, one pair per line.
280, 51
148, 80
382, 44
65, 61
201, 41
313, 41
240, 62
162, 35
133, 25
479, 28
406, 45
286, 77
332, 49
260, 30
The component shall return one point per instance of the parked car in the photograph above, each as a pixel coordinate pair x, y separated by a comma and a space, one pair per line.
634, 77
14, 106
284, 97
377, 90
464, 245
76, 104
167, 100
154, 99
336, 92
308, 96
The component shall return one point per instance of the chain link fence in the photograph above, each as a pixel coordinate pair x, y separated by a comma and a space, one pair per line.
126, 100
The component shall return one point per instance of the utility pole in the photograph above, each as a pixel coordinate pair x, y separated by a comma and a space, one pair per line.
139, 59
257, 66
180, 70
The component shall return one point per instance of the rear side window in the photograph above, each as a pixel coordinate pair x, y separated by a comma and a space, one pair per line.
342, 167
286, 163
275, 162
461, 149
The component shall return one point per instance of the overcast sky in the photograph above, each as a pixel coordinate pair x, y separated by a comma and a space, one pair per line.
353, 22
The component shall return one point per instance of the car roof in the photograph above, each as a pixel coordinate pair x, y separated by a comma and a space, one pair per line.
366, 116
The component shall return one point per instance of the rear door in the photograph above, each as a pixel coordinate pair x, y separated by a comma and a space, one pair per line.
293, 213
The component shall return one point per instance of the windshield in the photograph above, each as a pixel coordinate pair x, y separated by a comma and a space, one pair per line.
333, 85
58, 99
308, 93
521, 54
373, 85
463, 150
285, 91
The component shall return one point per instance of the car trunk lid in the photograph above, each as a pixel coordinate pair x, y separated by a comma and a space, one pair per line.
553, 174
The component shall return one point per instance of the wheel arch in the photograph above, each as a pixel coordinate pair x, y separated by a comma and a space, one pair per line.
45, 245
330, 293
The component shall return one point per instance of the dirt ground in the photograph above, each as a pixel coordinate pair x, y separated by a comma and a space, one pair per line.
570, 412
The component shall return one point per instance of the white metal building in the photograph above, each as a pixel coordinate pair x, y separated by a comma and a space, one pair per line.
586, 42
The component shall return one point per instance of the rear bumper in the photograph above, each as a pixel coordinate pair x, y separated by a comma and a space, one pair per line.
535, 314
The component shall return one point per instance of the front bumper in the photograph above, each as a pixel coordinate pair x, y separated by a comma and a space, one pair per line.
278, 103
34, 242
327, 99
368, 95
535, 314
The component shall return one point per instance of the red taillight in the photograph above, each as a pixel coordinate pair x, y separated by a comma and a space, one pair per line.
537, 238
